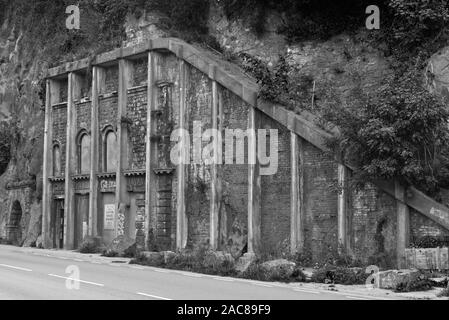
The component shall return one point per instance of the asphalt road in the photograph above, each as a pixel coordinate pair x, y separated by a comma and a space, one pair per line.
32, 275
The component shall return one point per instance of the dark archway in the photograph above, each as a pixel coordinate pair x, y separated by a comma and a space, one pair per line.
14, 226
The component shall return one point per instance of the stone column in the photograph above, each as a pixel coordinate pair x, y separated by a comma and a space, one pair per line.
98, 80
297, 195
121, 195
216, 182
151, 151
74, 92
52, 97
254, 183
181, 219
343, 207
403, 224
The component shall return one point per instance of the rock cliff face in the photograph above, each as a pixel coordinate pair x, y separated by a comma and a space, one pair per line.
344, 65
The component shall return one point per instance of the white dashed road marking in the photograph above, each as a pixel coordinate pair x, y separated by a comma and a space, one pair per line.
82, 281
152, 296
223, 279
356, 298
307, 291
16, 268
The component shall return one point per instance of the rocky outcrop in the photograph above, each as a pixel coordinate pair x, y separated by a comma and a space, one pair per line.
391, 279
120, 245
280, 268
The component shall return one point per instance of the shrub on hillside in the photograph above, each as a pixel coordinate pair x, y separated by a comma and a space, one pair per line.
400, 132
340, 275
419, 282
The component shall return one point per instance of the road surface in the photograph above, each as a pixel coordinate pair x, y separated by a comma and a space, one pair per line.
30, 274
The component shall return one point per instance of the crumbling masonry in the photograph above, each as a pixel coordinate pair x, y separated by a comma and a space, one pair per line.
107, 168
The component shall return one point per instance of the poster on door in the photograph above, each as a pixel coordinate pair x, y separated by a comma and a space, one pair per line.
109, 214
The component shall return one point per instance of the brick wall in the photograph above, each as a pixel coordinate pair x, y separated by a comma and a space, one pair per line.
275, 200
59, 123
140, 75
234, 204
111, 81
421, 226
107, 111
198, 108
83, 115
137, 113
169, 71
63, 90
373, 226
320, 200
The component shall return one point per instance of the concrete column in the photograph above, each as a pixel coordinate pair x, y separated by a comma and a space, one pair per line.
343, 207
52, 97
181, 219
297, 198
148, 166
151, 155
74, 92
121, 195
98, 78
403, 224
216, 182
254, 191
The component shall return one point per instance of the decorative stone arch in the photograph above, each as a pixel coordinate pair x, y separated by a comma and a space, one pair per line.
83, 151
109, 148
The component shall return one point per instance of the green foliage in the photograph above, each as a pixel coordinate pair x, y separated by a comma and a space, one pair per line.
110, 253
413, 23
444, 293
302, 19
340, 275
419, 282
189, 260
256, 272
399, 132
89, 246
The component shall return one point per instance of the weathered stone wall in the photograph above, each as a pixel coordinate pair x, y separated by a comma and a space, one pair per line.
107, 111
111, 81
83, 115
372, 225
320, 200
421, 226
137, 113
276, 194
140, 75
233, 217
198, 108
59, 123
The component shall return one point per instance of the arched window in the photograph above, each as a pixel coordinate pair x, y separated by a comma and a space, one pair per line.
84, 153
110, 151
56, 161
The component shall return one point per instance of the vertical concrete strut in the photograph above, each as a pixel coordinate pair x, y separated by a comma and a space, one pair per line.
74, 91
121, 195
296, 198
181, 219
403, 224
215, 177
94, 150
52, 96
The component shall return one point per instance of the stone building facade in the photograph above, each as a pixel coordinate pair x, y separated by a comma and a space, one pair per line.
108, 170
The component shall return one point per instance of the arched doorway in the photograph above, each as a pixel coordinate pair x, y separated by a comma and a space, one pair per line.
14, 226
